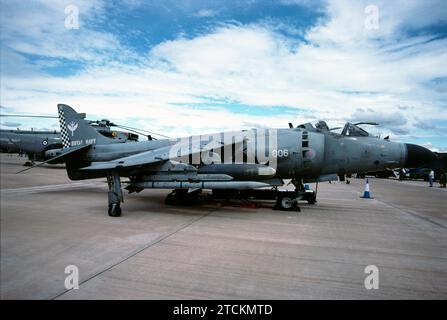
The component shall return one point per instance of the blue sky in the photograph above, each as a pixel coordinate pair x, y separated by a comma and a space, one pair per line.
187, 67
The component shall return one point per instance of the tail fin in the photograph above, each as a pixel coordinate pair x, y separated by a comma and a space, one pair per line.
75, 130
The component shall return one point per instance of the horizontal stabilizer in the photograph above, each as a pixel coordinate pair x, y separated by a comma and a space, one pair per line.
66, 153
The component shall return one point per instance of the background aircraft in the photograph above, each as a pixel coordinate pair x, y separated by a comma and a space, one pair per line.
41, 145
32, 143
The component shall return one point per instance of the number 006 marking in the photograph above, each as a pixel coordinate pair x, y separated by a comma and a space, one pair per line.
280, 153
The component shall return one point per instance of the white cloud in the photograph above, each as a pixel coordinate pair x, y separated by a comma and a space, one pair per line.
206, 13
38, 28
339, 68
433, 148
11, 124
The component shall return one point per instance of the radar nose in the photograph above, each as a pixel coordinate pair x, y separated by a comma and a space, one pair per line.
418, 156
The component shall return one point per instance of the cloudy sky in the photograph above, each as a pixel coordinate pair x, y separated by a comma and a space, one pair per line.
183, 67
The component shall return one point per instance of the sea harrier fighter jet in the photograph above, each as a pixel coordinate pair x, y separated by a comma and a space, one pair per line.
227, 161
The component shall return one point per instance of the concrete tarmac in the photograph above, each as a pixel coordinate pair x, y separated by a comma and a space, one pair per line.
218, 251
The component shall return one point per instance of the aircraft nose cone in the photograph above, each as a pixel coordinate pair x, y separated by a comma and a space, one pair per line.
418, 156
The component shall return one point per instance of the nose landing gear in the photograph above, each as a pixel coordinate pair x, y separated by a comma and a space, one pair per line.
304, 193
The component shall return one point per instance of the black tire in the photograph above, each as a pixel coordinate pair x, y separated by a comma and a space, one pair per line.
312, 199
169, 200
182, 199
114, 210
285, 203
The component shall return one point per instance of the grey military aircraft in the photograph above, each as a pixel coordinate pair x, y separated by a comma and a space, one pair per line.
33, 143
44, 145
228, 162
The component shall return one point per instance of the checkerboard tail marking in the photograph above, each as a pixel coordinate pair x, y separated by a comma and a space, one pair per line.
64, 132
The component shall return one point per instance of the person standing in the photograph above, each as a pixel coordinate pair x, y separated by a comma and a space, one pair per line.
431, 177
443, 179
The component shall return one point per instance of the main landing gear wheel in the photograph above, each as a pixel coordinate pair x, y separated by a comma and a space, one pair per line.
115, 194
286, 203
114, 210
183, 198
169, 200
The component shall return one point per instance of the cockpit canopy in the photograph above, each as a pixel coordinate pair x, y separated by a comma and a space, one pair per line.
349, 129
353, 130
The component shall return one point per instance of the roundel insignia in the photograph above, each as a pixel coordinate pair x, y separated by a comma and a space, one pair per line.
310, 154
45, 142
